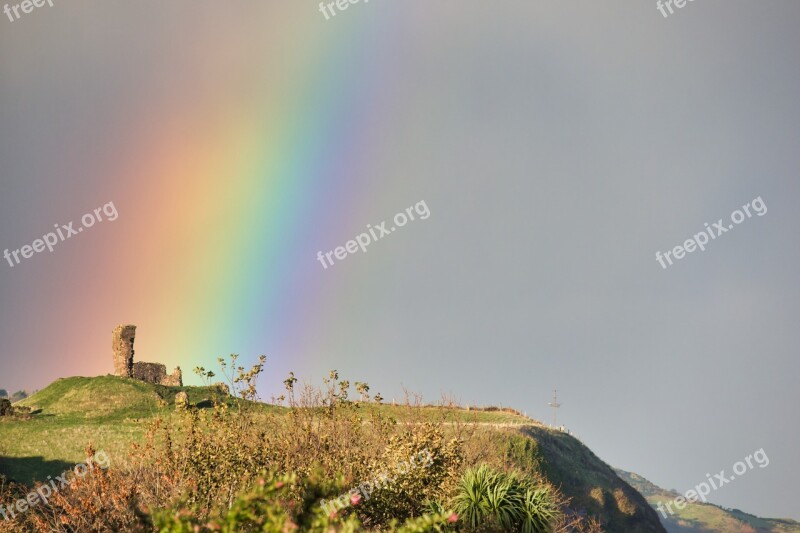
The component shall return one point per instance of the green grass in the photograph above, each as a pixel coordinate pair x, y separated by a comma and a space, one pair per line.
108, 412
108, 398
404, 413
111, 413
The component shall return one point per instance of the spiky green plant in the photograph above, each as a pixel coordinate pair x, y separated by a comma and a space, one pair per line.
488, 500
472, 497
540, 510
506, 504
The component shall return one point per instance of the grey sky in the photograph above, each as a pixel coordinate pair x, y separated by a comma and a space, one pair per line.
558, 145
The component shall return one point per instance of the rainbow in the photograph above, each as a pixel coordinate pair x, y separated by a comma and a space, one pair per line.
224, 202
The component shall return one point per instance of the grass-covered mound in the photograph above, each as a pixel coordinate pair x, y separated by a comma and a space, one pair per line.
107, 411
109, 397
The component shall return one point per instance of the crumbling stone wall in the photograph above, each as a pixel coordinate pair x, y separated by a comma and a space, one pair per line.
5, 407
149, 372
122, 344
175, 379
157, 373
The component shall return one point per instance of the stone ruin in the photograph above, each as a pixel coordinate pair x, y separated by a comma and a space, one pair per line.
122, 345
5, 407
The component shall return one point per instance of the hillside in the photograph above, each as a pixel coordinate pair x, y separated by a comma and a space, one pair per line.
106, 411
110, 412
706, 517
591, 483
107, 397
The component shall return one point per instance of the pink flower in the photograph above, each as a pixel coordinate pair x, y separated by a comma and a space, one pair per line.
452, 519
355, 499
279, 485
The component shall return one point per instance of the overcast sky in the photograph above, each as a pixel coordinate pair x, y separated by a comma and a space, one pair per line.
558, 146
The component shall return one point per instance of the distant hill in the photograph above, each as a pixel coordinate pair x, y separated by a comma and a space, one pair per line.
705, 517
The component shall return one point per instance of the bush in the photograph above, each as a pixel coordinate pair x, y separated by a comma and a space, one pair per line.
420, 466
490, 500
269, 507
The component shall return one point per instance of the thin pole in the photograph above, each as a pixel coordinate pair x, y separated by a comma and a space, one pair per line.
555, 405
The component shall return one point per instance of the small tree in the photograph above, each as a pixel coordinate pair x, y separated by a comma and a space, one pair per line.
362, 389
289, 384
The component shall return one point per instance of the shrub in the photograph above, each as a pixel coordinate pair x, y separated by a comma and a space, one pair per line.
490, 500
270, 508
421, 465
99, 501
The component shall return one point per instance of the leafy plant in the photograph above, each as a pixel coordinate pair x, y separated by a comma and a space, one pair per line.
490, 500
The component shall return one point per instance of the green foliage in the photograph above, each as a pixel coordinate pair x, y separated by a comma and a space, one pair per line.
524, 453
269, 507
209, 456
539, 510
419, 465
490, 500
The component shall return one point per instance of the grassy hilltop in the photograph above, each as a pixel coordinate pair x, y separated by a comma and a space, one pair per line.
112, 413
69, 413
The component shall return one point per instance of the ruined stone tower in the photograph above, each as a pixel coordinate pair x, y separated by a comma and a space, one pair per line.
122, 344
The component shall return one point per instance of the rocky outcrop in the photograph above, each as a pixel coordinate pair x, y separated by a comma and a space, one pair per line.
181, 401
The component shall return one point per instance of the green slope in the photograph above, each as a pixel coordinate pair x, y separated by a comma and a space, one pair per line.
108, 398
71, 413
706, 517
592, 484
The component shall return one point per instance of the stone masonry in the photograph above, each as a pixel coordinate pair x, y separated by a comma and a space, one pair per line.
122, 345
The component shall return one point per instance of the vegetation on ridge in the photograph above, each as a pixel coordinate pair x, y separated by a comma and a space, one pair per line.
230, 463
